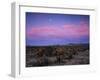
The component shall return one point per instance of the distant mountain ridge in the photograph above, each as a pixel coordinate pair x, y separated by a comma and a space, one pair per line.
70, 44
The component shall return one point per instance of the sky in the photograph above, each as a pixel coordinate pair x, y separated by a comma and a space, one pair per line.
44, 29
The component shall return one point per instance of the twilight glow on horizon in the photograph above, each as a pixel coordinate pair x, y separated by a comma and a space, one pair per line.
56, 29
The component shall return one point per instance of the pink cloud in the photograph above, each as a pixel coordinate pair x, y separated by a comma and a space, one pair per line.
67, 31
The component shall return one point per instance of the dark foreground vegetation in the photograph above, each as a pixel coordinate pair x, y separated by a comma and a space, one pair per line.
57, 55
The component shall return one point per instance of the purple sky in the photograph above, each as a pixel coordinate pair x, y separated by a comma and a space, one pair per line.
56, 29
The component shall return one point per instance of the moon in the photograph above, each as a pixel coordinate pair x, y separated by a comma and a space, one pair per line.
50, 20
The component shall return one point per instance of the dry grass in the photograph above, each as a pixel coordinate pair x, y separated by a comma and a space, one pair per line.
57, 55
